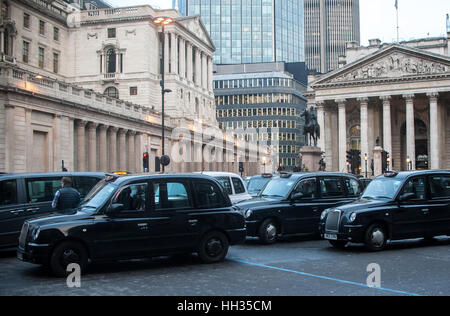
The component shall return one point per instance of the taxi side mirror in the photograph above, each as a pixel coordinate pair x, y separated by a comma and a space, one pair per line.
406, 197
297, 196
114, 209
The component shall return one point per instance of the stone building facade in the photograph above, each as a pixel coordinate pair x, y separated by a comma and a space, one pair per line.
84, 88
396, 93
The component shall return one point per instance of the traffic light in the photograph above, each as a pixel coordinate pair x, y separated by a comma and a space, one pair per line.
145, 162
349, 158
241, 167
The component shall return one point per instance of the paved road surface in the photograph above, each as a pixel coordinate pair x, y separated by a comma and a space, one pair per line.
291, 267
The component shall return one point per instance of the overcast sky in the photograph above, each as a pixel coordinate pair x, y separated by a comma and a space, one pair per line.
417, 18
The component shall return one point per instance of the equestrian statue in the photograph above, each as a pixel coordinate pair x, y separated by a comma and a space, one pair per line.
312, 127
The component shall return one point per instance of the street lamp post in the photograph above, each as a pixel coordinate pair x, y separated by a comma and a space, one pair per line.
366, 158
163, 21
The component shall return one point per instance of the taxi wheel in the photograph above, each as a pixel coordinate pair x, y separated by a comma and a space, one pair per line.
65, 254
213, 247
376, 238
268, 232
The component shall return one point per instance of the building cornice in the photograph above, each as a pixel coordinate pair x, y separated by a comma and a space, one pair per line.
374, 82
60, 16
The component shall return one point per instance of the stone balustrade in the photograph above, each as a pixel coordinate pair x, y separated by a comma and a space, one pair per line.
28, 81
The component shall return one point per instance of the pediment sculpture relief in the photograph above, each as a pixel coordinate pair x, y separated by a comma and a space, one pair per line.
394, 66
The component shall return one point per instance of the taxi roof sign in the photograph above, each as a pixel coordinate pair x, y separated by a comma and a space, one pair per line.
390, 174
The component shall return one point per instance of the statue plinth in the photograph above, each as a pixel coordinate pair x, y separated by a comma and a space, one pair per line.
311, 157
378, 160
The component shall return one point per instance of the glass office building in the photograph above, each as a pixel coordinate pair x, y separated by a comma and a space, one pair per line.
329, 26
251, 31
448, 23
262, 103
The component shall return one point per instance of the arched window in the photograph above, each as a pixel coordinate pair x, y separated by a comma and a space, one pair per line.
112, 92
111, 61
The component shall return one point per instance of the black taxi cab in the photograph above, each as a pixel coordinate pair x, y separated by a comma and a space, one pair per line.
136, 217
291, 204
394, 206
30, 195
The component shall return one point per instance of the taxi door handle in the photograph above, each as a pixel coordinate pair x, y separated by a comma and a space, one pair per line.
33, 210
143, 226
426, 210
193, 222
17, 212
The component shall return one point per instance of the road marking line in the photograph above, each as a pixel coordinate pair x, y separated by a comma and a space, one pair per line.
325, 278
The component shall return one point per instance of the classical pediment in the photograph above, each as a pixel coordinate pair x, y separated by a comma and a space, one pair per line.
394, 62
195, 26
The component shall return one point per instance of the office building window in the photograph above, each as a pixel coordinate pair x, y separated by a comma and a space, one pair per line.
133, 90
26, 51
41, 57
55, 63
41, 27
26, 20
112, 33
56, 34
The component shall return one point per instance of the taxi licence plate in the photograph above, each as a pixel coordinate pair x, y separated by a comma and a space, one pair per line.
331, 237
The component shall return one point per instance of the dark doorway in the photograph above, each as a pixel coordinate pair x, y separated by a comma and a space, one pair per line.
421, 135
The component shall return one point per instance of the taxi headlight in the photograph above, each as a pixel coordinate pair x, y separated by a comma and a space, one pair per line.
248, 213
324, 214
352, 217
35, 233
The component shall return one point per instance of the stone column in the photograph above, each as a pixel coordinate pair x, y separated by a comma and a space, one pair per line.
182, 57
122, 150
198, 68
189, 62
92, 146
204, 72
321, 121
166, 53
410, 130
434, 131
364, 105
113, 163
342, 121
387, 125
2, 43
139, 150
81, 145
174, 53
210, 73
102, 149
131, 152
9, 138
